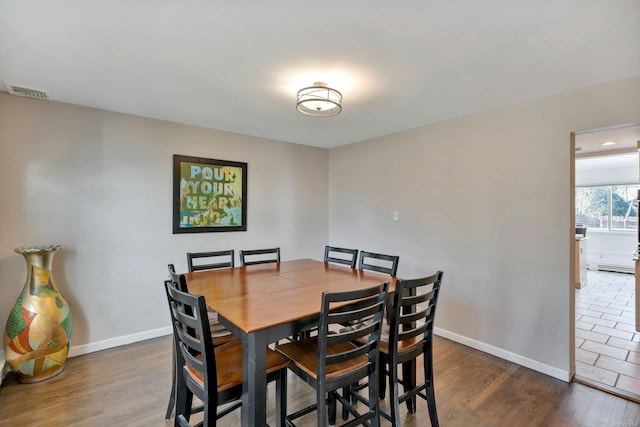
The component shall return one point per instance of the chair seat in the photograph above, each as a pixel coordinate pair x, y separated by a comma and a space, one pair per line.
217, 327
304, 355
384, 338
402, 346
214, 319
229, 364
222, 339
219, 333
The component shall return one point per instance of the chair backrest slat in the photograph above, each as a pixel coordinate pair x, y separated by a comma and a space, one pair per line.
192, 333
352, 307
387, 264
224, 259
343, 256
412, 315
177, 279
259, 256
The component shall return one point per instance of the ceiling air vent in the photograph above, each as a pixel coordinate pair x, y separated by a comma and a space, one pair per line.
27, 92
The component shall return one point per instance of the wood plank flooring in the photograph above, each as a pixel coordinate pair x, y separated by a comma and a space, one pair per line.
129, 385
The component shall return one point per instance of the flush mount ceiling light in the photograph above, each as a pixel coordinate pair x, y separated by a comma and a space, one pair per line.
608, 143
319, 100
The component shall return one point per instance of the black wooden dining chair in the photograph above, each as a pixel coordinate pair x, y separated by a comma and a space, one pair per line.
212, 374
259, 256
343, 256
215, 260
336, 255
381, 263
219, 335
407, 335
387, 264
331, 361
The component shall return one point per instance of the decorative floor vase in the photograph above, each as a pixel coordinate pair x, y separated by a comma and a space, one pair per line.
39, 329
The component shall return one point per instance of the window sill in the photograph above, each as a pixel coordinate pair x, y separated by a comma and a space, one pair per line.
593, 231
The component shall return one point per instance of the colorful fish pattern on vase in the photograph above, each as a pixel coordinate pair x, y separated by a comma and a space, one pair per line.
40, 327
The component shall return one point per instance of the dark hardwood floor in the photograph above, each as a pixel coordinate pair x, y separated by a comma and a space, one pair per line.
128, 386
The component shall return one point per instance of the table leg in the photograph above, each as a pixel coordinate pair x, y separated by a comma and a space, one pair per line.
254, 386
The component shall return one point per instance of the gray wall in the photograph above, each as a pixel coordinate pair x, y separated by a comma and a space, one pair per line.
100, 184
486, 199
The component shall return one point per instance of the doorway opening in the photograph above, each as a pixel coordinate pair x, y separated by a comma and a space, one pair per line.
607, 344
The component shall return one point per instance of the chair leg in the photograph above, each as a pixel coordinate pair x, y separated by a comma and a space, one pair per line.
394, 403
409, 382
172, 396
321, 410
281, 398
346, 393
374, 404
209, 417
332, 408
382, 380
184, 400
431, 401
184, 397
430, 392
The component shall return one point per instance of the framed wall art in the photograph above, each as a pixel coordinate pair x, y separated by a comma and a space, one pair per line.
208, 195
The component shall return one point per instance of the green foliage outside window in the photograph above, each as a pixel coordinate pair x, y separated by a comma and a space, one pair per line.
608, 207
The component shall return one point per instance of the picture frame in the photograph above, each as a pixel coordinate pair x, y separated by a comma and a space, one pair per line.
209, 195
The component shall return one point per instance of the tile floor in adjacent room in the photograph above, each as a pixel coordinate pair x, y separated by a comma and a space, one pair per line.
607, 345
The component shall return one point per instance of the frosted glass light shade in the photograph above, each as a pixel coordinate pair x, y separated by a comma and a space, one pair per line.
319, 100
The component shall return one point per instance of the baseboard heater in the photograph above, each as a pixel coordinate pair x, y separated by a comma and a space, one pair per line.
615, 268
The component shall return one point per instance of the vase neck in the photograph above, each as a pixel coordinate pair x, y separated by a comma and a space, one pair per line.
40, 259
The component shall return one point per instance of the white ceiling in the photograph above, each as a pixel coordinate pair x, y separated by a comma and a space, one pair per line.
592, 155
237, 66
625, 137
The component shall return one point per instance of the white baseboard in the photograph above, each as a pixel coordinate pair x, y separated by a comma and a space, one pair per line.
154, 333
79, 350
506, 355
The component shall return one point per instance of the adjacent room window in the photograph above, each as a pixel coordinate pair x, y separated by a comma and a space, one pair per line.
610, 207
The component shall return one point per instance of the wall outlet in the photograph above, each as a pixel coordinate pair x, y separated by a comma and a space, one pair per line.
395, 215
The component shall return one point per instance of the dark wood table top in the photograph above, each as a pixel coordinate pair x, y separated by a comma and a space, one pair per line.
260, 296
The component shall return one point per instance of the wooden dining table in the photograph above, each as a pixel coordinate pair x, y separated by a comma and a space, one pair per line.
261, 304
